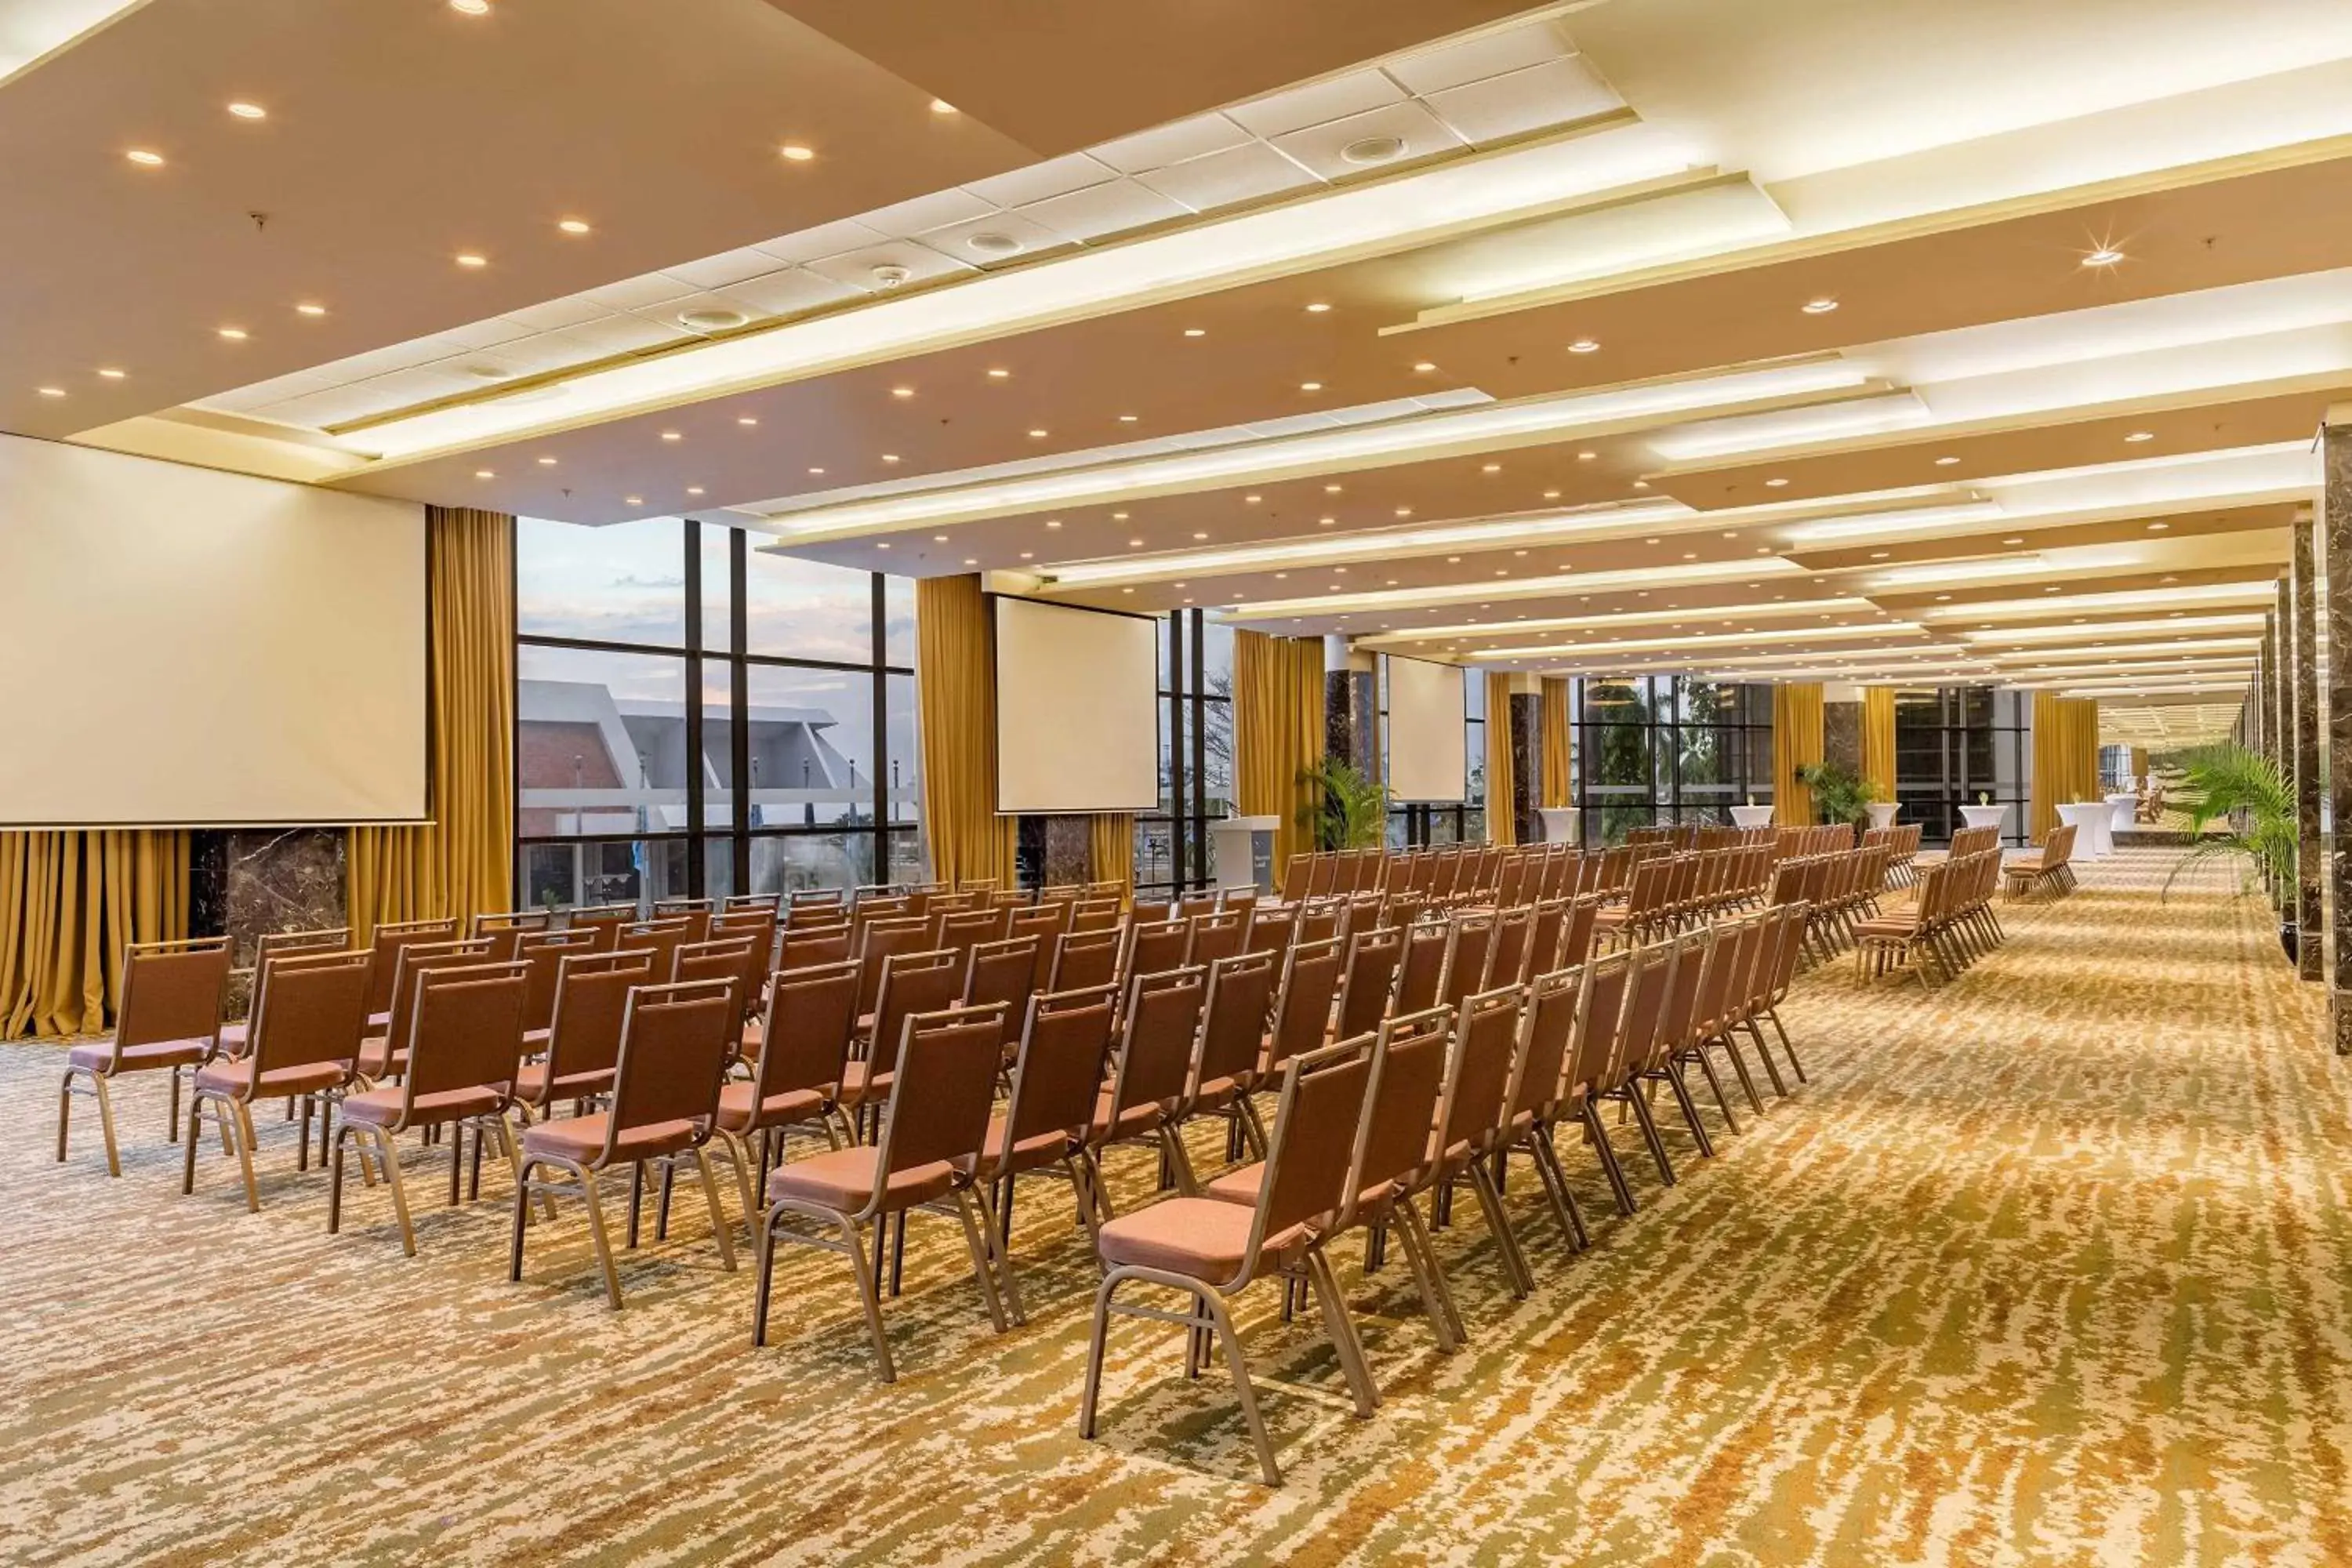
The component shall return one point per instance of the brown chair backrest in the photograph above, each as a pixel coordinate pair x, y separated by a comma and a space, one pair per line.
1002, 972
1057, 1073
1045, 921
661, 936
1271, 929
1645, 1006
1694, 956
390, 938
1155, 946
739, 958
1217, 936
504, 929
758, 924
1547, 1031
411, 959
883, 939
313, 1007
675, 1041
947, 1063
1155, 1044
1409, 1076
1600, 1014
912, 983
812, 947
1311, 1148
1320, 920
1372, 959
466, 1031
805, 1035
172, 991
1082, 960
966, 929
1426, 946
1506, 957
733, 902
544, 951
592, 1005
1486, 1038
1233, 1024
1302, 1009
1547, 929
605, 920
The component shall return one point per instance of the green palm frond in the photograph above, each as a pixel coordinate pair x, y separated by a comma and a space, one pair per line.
1350, 809
2228, 783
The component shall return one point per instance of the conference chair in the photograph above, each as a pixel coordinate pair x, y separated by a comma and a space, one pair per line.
1082, 960
543, 953
1592, 1063
1217, 936
1233, 1036
740, 959
506, 929
926, 1155
390, 938
672, 1065
383, 1056
1212, 1251
1003, 974
910, 982
1470, 1121
807, 947
806, 1030
661, 936
1539, 1092
305, 1038
1156, 946
583, 1033
169, 1019
267, 945
1150, 1070
1058, 1078
605, 920
1368, 979
463, 1046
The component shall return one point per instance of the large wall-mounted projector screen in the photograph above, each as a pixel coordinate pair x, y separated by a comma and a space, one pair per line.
191, 648
1428, 751
1077, 709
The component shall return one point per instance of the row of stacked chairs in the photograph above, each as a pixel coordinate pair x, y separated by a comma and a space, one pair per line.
1946, 921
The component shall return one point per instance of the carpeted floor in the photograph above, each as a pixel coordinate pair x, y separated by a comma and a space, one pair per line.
2049, 1267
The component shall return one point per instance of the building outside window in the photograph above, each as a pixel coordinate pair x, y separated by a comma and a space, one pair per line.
1665, 748
1955, 743
1196, 755
695, 717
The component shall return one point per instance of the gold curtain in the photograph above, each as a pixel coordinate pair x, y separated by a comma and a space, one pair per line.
1502, 791
1553, 732
1111, 850
955, 695
1278, 733
68, 904
1878, 739
2065, 756
462, 862
1796, 740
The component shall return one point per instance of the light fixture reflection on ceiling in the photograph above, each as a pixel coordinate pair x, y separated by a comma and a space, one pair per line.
795, 152
249, 111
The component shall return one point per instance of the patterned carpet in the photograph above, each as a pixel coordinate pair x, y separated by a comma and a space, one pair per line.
2049, 1266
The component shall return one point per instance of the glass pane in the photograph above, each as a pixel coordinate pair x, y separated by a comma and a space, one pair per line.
718, 868
781, 863
600, 743
902, 744
1217, 744
718, 586
1155, 852
811, 747
560, 876
622, 583
1474, 695
1474, 744
1216, 660
898, 621
905, 847
804, 609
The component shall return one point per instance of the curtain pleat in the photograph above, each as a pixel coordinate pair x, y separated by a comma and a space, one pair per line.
1111, 847
1796, 741
955, 699
462, 862
70, 903
1555, 739
1878, 739
2065, 757
1502, 790
1278, 733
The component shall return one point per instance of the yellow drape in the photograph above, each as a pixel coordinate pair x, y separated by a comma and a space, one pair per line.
2065, 756
1112, 846
1502, 790
1278, 733
1878, 740
1796, 740
68, 904
1553, 726
462, 862
955, 693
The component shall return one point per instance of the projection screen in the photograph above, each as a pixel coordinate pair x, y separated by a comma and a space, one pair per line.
192, 649
1428, 750
1077, 709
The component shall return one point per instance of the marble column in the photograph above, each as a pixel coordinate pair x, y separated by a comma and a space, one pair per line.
1351, 706
1526, 759
244, 882
2303, 635
1841, 726
2334, 561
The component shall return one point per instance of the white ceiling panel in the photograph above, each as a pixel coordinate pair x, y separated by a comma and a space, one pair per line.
1247, 172
1173, 144
825, 240
1054, 177
787, 292
728, 267
1103, 209
856, 267
956, 240
1552, 93
1323, 147
1482, 55
1333, 98
904, 220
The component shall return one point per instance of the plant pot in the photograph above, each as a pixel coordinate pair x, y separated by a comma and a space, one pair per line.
2287, 933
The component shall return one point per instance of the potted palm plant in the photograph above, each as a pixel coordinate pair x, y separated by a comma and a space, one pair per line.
1350, 809
1840, 795
2245, 790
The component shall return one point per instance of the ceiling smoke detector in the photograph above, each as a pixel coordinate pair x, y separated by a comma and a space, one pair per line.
993, 244
1374, 149
890, 277
713, 320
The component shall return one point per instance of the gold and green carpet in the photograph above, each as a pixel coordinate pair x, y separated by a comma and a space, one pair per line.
2049, 1266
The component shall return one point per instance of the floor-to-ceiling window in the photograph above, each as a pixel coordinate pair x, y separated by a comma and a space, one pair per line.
694, 717
1196, 755
1960, 745
1664, 748
1410, 825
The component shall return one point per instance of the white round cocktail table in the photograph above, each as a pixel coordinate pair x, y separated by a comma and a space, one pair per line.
1751, 815
1984, 815
2089, 820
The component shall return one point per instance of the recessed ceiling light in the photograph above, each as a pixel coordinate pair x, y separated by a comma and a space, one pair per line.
1586, 456
991, 243
51, 391
1028, 555
1127, 418
1311, 386
1038, 435
632, 500
745, 419
1200, 536
485, 474
1251, 498
1454, 561
143, 157
2105, 255
1325, 522
672, 436
2138, 435
2013, 541
971, 561
1946, 462
249, 111
999, 374
471, 7
2158, 526
1585, 346
1652, 540
1878, 555
1330, 489
1053, 522
1819, 306
939, 538
818, 471
1942, 597
467, 259
797, 153
941, 106
572, 225
902, 392
1424, 367
1196, 332
234, 335
1404, 511
889, 456
1774, 483
1640, 484
882, 546
1551, 495
1318, 308
1373, 149
307, 309
110, 372
1490, 467
547, 462
1118, 516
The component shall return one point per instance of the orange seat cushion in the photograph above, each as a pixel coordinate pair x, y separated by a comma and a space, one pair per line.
236, 1078
844, 1180
582, 1139
735, 1107
381, 1107
1199, 1238
96, 1055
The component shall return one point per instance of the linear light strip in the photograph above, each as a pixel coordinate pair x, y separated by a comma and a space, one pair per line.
1667, 645
1779, 609
1549, 585
2186, 625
